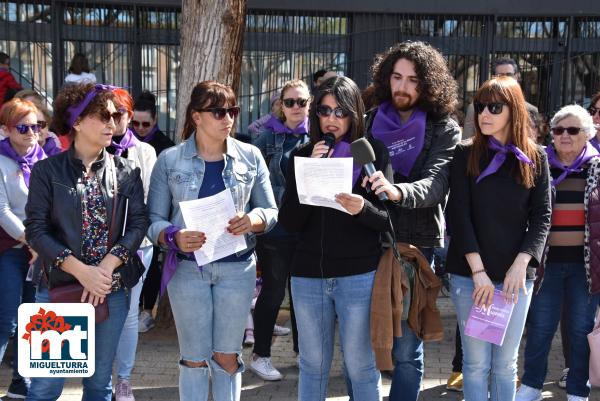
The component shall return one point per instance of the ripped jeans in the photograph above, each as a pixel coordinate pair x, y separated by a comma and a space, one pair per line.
210, 309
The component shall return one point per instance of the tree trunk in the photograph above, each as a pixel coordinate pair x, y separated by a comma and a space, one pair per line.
211, 49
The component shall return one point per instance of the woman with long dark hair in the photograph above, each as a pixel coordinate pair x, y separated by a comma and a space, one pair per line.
337, 253
499, 216
210, 303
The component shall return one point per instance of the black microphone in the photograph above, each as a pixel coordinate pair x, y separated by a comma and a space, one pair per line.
362, 153
329, 139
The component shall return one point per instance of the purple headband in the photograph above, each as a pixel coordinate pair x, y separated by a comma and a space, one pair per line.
75, 111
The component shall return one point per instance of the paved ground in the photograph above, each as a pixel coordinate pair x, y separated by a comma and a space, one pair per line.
155, 377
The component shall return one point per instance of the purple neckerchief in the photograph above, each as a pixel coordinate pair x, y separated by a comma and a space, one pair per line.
403, 140
76, 110
51, 148
587, 153
500, 157
127, 141
150, 135
595, 143
342, 149
278, 127
26, 161
171, 260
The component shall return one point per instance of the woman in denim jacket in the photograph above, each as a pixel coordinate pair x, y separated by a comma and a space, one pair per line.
210, 303
277, 139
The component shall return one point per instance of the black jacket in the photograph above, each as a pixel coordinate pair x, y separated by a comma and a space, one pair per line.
333, 243
160, 142
419, 216
54, 209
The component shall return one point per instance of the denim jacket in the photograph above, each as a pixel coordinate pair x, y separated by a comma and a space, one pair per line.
271, 146
178, 174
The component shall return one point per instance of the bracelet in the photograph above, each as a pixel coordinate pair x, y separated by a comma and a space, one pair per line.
478, 271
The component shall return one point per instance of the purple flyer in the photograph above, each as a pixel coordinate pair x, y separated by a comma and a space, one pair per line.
490, 324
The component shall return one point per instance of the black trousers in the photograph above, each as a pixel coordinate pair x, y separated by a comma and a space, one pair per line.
151, 285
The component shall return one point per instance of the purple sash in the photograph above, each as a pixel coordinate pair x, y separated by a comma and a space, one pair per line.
26, 161
500, 157
587, 153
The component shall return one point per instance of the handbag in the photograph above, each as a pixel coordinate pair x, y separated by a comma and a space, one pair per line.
594, 340
71, 293
6, 241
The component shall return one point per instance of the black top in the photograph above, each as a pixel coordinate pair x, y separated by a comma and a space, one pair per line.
498, 218
333, 243
161, 142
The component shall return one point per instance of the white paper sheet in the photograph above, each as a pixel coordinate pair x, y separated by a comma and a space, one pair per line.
319, 180
210, 216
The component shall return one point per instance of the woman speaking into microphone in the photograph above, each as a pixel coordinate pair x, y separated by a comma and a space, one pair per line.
337, 254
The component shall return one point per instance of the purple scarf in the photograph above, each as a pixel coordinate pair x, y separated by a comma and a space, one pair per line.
278, 127
595, 143
150, 135
128, 140
51, 148
342, 149
170, 264
403, 140
587, 153
500, 157
26, 161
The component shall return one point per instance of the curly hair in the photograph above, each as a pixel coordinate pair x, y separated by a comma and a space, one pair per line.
72, 95
438, 91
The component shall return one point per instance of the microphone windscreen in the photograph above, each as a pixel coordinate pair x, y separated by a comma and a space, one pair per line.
329, 139
362, 151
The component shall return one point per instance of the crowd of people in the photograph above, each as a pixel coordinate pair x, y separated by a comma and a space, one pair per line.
518, 205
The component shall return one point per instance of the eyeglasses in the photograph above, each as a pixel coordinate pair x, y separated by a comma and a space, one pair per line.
289, 103
593, 110
106, 115
220, 112
136, 124
24, 128
570, 130
325, 111
493, 108
42, 124
505, 74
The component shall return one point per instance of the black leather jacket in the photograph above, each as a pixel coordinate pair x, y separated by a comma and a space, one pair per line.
54, 209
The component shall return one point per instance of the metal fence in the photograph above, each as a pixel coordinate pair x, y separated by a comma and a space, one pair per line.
137, 47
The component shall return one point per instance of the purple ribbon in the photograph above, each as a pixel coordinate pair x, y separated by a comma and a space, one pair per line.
587, 153
278, 127
342, 149
26, 161
170, 264
403, 140
595, 143
150, 135
76, 110
128, 140
51, 147
500, 157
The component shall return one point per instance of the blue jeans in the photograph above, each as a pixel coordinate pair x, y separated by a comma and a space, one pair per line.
14, 291
129, 336
210, 307
407, 354
565, 285
99, 386
485, 362
317, 303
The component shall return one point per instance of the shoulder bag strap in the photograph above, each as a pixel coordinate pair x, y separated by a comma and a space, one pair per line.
113, 170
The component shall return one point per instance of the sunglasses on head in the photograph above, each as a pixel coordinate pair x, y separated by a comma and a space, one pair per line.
570, 130
289, 103
325, 111
106, 115
593, 110
137, 124
24, 128
220, 112
493, 107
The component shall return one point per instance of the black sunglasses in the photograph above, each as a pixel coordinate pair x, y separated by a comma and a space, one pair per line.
570, 130
593, 110
289, 103
144, 124
42, 124
325, 111
494, 107
24, 128
106, 115
220, 112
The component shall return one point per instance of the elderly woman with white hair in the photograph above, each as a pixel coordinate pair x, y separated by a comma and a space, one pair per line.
569, 275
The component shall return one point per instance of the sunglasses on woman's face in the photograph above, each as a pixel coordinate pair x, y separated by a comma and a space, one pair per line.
106, 115
593, 110
493, 108
220, 112
136, 124
325, 111
570, 130
289, 103
43, 124
24, 128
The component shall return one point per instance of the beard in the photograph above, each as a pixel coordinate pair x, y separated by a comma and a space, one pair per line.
402, 101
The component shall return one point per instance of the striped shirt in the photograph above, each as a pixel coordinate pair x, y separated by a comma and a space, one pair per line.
568, 218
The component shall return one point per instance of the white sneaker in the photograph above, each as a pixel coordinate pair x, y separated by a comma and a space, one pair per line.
527, 393
145, 322
263, 369
576, 398
562, 382
280, 331
249, 337
123, 392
